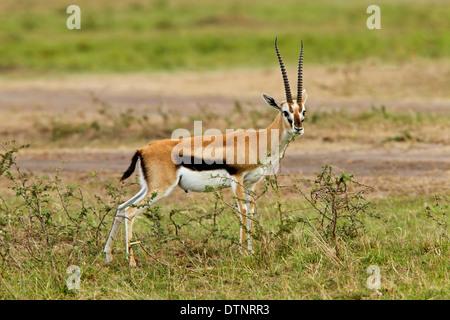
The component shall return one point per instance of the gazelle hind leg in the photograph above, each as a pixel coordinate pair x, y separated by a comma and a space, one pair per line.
129, 234
118, 219
156, 196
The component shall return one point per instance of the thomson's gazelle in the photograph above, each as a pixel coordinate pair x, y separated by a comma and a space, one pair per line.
238, 160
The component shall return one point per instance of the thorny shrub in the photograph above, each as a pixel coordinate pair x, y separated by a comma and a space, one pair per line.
339, 203
43, 218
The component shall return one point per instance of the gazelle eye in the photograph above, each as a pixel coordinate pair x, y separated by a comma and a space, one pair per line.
304, 113
286, 114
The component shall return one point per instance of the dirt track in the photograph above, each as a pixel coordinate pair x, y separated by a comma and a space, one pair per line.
327, 88
418, 86
388, 173
363, 165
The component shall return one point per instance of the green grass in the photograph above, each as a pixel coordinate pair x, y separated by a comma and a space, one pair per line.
202, 35
188, 248
412, 260
187, 251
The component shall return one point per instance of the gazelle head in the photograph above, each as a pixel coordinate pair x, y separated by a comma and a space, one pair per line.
292, 111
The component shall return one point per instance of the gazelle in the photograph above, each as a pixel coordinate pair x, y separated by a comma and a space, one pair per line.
196, 163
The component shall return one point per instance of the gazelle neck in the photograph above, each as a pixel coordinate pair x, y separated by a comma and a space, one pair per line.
278, 127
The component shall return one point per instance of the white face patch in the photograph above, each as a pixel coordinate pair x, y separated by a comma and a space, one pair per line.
287, 114
303, 112
294, 115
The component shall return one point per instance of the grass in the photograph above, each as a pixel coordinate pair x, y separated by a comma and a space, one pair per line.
188, 244
137, 35
189, 250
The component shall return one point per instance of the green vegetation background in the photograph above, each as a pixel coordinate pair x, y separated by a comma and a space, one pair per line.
165, 35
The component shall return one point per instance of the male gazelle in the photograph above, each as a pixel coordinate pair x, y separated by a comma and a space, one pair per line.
228, 160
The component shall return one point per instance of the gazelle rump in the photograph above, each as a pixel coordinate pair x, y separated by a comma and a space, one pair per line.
238, 159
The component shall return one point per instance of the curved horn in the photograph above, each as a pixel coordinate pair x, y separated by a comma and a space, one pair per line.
283, 72
300, 76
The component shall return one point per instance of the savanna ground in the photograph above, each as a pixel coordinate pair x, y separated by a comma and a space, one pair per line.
378, 108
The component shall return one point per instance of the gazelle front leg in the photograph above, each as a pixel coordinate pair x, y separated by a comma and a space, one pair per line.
250, 201
238, 191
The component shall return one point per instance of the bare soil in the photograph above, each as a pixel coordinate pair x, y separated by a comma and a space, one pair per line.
417, 86
388, 173
435, 166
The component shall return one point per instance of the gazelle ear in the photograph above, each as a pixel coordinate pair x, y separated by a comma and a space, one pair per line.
304, 96
271, 102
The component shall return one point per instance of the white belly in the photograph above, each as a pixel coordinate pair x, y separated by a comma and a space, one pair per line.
254, 176
200, 181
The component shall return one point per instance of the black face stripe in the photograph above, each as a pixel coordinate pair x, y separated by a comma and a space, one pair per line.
286, 114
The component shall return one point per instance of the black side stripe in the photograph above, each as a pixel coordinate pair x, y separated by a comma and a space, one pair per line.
203, 166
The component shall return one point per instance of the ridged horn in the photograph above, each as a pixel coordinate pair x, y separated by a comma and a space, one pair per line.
300, 77
283, 72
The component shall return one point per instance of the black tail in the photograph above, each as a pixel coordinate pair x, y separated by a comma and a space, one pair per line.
132, 166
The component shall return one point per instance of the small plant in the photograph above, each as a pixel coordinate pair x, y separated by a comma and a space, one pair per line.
436, 212
403, 136
42, 219
338, 201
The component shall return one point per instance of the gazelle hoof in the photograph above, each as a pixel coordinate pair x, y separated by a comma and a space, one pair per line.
109, 258
132, 262
244, 251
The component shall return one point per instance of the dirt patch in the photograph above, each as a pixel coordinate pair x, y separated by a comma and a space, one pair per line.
388, 173
419, 86
353, 87
365, 165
